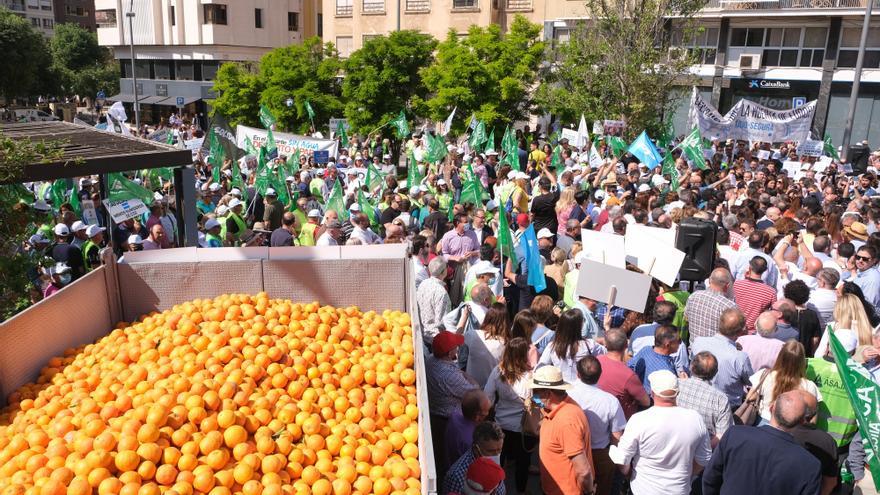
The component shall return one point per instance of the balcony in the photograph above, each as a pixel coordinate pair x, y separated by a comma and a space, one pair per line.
519, 5
418, 5
764, 5
374, 7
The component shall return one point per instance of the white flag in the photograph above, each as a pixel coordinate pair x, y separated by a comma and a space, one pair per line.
448, 123
596, 161
473, 123
583, 136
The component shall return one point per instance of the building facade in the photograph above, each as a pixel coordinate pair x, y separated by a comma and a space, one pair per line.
180, 44
80, 12
40, 13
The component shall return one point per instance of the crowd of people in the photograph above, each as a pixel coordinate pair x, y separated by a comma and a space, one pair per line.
590, 398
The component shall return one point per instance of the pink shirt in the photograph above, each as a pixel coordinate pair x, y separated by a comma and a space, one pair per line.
562, 218
762, 351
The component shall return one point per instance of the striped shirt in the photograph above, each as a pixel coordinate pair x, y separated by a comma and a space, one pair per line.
753, 298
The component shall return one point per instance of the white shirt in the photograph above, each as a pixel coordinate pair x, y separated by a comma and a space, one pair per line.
730, 255
326, 240
663, 443
769, 384
483, 355
603, 412
823, 301
569, 366
794, 273
366, 236
508, 399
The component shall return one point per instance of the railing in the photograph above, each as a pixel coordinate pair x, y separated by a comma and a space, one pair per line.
519, 4
418, 5
785, 4
344, 10
374, 6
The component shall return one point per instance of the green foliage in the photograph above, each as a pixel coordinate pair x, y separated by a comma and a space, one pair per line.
25, 58
487, 73
15, 154
83, 67
383, 77
619, 66
238, 94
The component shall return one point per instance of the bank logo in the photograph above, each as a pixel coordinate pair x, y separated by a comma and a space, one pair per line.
754, 84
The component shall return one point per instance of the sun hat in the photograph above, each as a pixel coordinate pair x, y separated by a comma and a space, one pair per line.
857, 230
663, 381
548, 377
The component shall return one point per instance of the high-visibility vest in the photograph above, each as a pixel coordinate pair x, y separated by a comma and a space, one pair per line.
307, 236
222, 221
569, 288
88, 245
212, 237
300, 220
241, 225
836, 415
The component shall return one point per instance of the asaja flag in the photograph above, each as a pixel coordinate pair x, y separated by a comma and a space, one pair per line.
533, 259
448, 123
864, 395
505, 240
436, 149
413, 176
556, 159
123, 189
270, 146
692, 147
293, 163
266, 117
335, 201
309, 110
829, 149
374, 178
472, 190
367, 208
490, 142
617, 145
510, 149
643, 149
670, 170
343, 136
216, 155
478, 137
401, 126
58, 193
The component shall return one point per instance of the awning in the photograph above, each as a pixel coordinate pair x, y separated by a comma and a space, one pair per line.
123, 97
152, 100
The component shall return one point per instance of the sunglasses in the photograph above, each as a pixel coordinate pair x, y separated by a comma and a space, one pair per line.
863, 258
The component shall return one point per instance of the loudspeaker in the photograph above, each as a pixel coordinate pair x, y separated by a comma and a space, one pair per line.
696, 237
858, 157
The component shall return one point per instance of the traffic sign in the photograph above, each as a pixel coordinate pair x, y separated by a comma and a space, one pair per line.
798, 101
180, 101
101, 95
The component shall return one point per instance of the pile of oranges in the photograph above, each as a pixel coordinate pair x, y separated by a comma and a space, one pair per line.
239, 394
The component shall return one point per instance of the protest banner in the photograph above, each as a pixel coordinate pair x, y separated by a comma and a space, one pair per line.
613, 127
287, 143
122, 210
612, 285
748, 121
571, 135
89, 215
810, 147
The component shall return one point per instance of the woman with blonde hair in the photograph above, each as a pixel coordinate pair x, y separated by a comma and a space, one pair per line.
520, 195
564, 206
557, 268
787, 374
848, 314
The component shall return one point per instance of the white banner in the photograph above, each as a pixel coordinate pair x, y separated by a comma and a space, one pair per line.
810, 147
287, 143
125, 209
748, 121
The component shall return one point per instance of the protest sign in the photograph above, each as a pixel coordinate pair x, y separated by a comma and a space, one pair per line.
653, 253
89, 215
608, 248
763, 154
613, 127
749, 121
287, 143
810, 147
612, 285
571, 135
793, 167
122, 210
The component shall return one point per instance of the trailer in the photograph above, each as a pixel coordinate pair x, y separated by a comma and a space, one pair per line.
370, 277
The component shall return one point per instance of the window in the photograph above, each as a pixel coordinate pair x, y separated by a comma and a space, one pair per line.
746, 36
161, 90
125, 69
172, 15
849, 48
519, 4
702, 44
794, 47
368, 37
320, 25
418, 5
48, 23
143, 69
105, 18
215, 13
374, 6
258, 18
293, 21
209, 70
184, 70
464, 4
162, 69
345, 45
562, 35
35, 22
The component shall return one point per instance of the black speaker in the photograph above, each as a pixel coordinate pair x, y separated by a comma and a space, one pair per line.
858, 157
696, 237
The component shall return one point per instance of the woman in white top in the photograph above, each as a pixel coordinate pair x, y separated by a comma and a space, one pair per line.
787, 374
507, 388
568, 347
486, 344
850, 314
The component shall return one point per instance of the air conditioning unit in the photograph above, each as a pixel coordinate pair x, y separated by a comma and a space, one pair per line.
750, 61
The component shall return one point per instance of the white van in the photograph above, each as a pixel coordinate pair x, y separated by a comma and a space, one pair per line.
33, 115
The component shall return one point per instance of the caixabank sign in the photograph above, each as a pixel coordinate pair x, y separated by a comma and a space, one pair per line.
768, 84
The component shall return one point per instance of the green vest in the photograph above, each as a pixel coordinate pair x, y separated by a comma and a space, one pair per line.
222, 221
315, 186
307, 235
88, 245
444, 199
836, 415
679, 298
212, 237
300, 219
569, 288
241, 225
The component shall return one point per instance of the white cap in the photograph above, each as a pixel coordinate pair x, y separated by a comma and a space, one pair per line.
304, 175
271, 192
354, 207
77, 226
441, 182
644, 187
664, 381
848, 339
491, 153
214, 187
234, 202
227, 173
212, 223
483, 267
94, 230
41, 205
38, 238
222, 210
314, 213
491, 204
85, 181
600, 194
135, 239
659, 180
235, 191
290, 178
386, 156
61, 229
137, 180
545, 233
415, 190
58, 269
450, 147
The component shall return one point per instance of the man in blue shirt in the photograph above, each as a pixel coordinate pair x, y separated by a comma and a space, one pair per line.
734, 366
766, 459
658, 356
592, 329
643, 335
867, 277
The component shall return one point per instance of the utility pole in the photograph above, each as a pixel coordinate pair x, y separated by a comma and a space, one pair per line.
857, 75
398, 16
134, 81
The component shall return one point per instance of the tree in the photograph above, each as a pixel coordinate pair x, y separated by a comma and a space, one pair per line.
308, 72
24, 59
487, 73
383, 78
83, 66
620, 66
238, 89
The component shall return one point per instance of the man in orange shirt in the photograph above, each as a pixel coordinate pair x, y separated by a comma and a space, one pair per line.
564, 451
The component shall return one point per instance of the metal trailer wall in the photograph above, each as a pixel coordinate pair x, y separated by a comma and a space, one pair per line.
370, 277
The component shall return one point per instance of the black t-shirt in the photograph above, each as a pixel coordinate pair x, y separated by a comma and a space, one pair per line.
544, 209
71, 256
821, 445
808, 326
388, 215
436, 222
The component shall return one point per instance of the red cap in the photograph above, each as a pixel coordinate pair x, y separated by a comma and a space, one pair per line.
484, 475
522, 220
446, 341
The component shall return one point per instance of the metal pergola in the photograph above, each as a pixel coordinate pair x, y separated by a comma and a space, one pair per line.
89, 151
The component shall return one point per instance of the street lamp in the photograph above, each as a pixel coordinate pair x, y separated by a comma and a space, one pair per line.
134, 82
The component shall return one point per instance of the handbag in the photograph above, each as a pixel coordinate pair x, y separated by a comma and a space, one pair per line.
747, 412
530, 424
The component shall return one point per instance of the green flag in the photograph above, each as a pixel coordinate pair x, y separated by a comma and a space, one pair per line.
618, 145
692, 147
505, 239
74, 202
829, 148
261, 182
510, 148
367, 208
335, 201
249, 147
374, 178
490, 142
400, 124
436, 149
121, 188
309, 110
293, 163
478, 137
216, 155
666, 136
266, 117
413, 176
668, 168
278, 182
450, 210
58, 193
237, 182
556, 159
170, 139
343, 136
864, 395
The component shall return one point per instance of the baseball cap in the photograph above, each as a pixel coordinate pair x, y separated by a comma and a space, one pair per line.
483, 267
38, 239
212, 223
94, 230
484, 476
415, 190
644, 188
441, 182
235, 191
664, 381
354, 207
446, 341
314, 213
522, 219
61, 229
545, 233
135, 239
271, 192
77, 226
222, 210
491, 205
214, 187
234, 202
